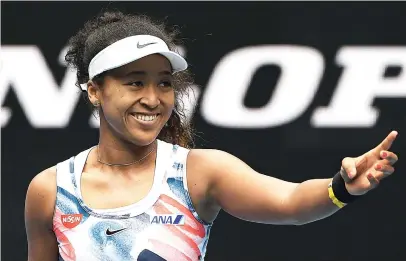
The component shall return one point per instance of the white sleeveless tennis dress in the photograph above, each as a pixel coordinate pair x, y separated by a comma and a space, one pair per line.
162, 226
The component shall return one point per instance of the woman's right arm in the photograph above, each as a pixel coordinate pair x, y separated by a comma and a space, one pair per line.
39, 210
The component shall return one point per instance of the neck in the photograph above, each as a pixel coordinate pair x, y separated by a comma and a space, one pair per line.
117, 151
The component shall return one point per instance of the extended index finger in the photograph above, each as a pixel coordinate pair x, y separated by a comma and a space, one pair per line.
387, 142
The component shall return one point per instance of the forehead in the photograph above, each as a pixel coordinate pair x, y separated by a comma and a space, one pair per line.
151, 63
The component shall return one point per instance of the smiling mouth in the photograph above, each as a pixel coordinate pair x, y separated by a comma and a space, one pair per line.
145, 117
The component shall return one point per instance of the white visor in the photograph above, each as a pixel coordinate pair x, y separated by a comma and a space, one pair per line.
131, 49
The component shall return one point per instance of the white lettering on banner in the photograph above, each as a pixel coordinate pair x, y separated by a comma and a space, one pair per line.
361, 82
43, 102
94, 121
47, 105
302, 69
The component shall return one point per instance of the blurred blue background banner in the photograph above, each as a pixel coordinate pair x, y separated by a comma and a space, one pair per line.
290, 88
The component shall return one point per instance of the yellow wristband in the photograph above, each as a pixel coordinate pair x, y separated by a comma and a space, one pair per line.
333, 198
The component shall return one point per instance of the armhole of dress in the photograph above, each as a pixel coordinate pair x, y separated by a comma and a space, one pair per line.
184, 156
57, 170
56, 195
61, 169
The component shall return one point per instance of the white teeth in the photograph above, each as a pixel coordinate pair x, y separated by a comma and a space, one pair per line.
146, 117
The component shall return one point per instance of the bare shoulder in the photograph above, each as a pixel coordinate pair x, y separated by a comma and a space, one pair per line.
39, 213
212, 161
41, 196
210, 166
203, 165
204, 156
43, 183
210, 172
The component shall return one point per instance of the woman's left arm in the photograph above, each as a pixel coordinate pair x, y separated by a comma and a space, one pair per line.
249, 195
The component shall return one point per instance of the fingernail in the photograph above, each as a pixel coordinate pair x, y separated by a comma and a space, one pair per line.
378, 166
353, 172
369, 176
384, 154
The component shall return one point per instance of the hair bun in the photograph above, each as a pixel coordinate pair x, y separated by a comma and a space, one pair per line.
109, 17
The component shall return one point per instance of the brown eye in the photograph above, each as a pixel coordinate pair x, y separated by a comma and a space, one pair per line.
136, 84
165, 84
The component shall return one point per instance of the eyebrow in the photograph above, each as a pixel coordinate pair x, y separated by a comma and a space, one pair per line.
144, 73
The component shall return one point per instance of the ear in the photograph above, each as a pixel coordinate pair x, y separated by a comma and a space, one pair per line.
93, 92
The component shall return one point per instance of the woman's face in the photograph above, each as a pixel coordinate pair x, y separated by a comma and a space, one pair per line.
137, 99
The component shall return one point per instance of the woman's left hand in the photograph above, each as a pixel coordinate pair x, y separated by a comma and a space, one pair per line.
363, 173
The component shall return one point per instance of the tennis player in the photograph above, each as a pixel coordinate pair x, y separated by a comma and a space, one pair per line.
143, 192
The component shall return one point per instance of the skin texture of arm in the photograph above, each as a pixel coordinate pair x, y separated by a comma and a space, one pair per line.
39, 209
228, 183
244, 193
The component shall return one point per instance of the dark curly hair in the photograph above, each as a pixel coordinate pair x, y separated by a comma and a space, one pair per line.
111, 26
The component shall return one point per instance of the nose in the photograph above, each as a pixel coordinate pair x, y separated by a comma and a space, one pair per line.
150, 97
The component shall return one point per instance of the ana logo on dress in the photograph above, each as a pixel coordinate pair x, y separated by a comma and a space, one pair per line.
168, 220
71, 220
